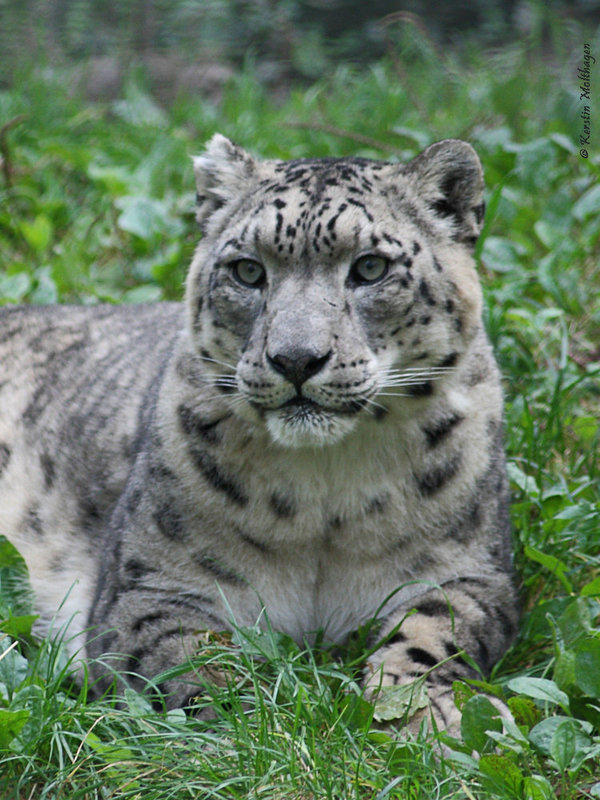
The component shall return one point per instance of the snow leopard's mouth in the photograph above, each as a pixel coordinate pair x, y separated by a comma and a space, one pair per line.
299, 403
302, 422
305, 406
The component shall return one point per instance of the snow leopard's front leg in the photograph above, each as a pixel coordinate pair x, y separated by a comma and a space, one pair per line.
143, 633
147, 618
474, 615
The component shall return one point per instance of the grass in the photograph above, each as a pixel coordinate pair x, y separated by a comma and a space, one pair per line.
96, 204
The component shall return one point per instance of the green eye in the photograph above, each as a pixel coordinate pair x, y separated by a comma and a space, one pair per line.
369, 269
249, 273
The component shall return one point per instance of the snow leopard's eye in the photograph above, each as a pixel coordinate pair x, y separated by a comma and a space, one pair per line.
369, 269
249, 273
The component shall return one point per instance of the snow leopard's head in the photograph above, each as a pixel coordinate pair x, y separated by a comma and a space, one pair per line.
324, 290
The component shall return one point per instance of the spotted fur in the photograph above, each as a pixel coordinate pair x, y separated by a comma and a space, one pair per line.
317, 431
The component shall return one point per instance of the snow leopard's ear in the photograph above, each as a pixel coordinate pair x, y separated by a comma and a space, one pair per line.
222, 172
449, 177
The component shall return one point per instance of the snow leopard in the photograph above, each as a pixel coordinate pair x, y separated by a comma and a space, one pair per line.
313, 436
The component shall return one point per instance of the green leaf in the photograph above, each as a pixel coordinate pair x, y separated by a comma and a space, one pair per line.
564, 670
535, 159
45, 291
421, 138
563, 743
591, 589
16, 596
379, 738
588, 203
30, 699
552, 563
583, 510
537, 622
575, 623
176, 716
548, 233
399, 702
501, 255
14, 287
137, 704
462, 693
258, 643
525, 483
10, 556
140, 215
586, 427
587, 667
147, 217
536, 787
502, 773
356, 712
17, 626
539, 689
117, 180
37, 234
542, 734
143, 294
110, 752
13, 667
479, 716
11, 724
138, 108
564, 141
523, 710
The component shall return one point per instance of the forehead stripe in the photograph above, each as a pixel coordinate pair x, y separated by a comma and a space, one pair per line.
363, 208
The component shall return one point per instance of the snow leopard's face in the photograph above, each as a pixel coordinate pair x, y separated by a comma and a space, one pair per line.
325, 289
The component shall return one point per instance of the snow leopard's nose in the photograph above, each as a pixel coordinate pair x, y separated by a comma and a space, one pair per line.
298, 364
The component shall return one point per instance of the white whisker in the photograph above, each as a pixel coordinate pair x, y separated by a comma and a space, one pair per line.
225, 380
412, 376
236, 401
375, 405
407, 382
418, 371
216, 361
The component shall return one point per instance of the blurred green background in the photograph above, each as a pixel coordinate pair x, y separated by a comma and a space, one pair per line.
197, 44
